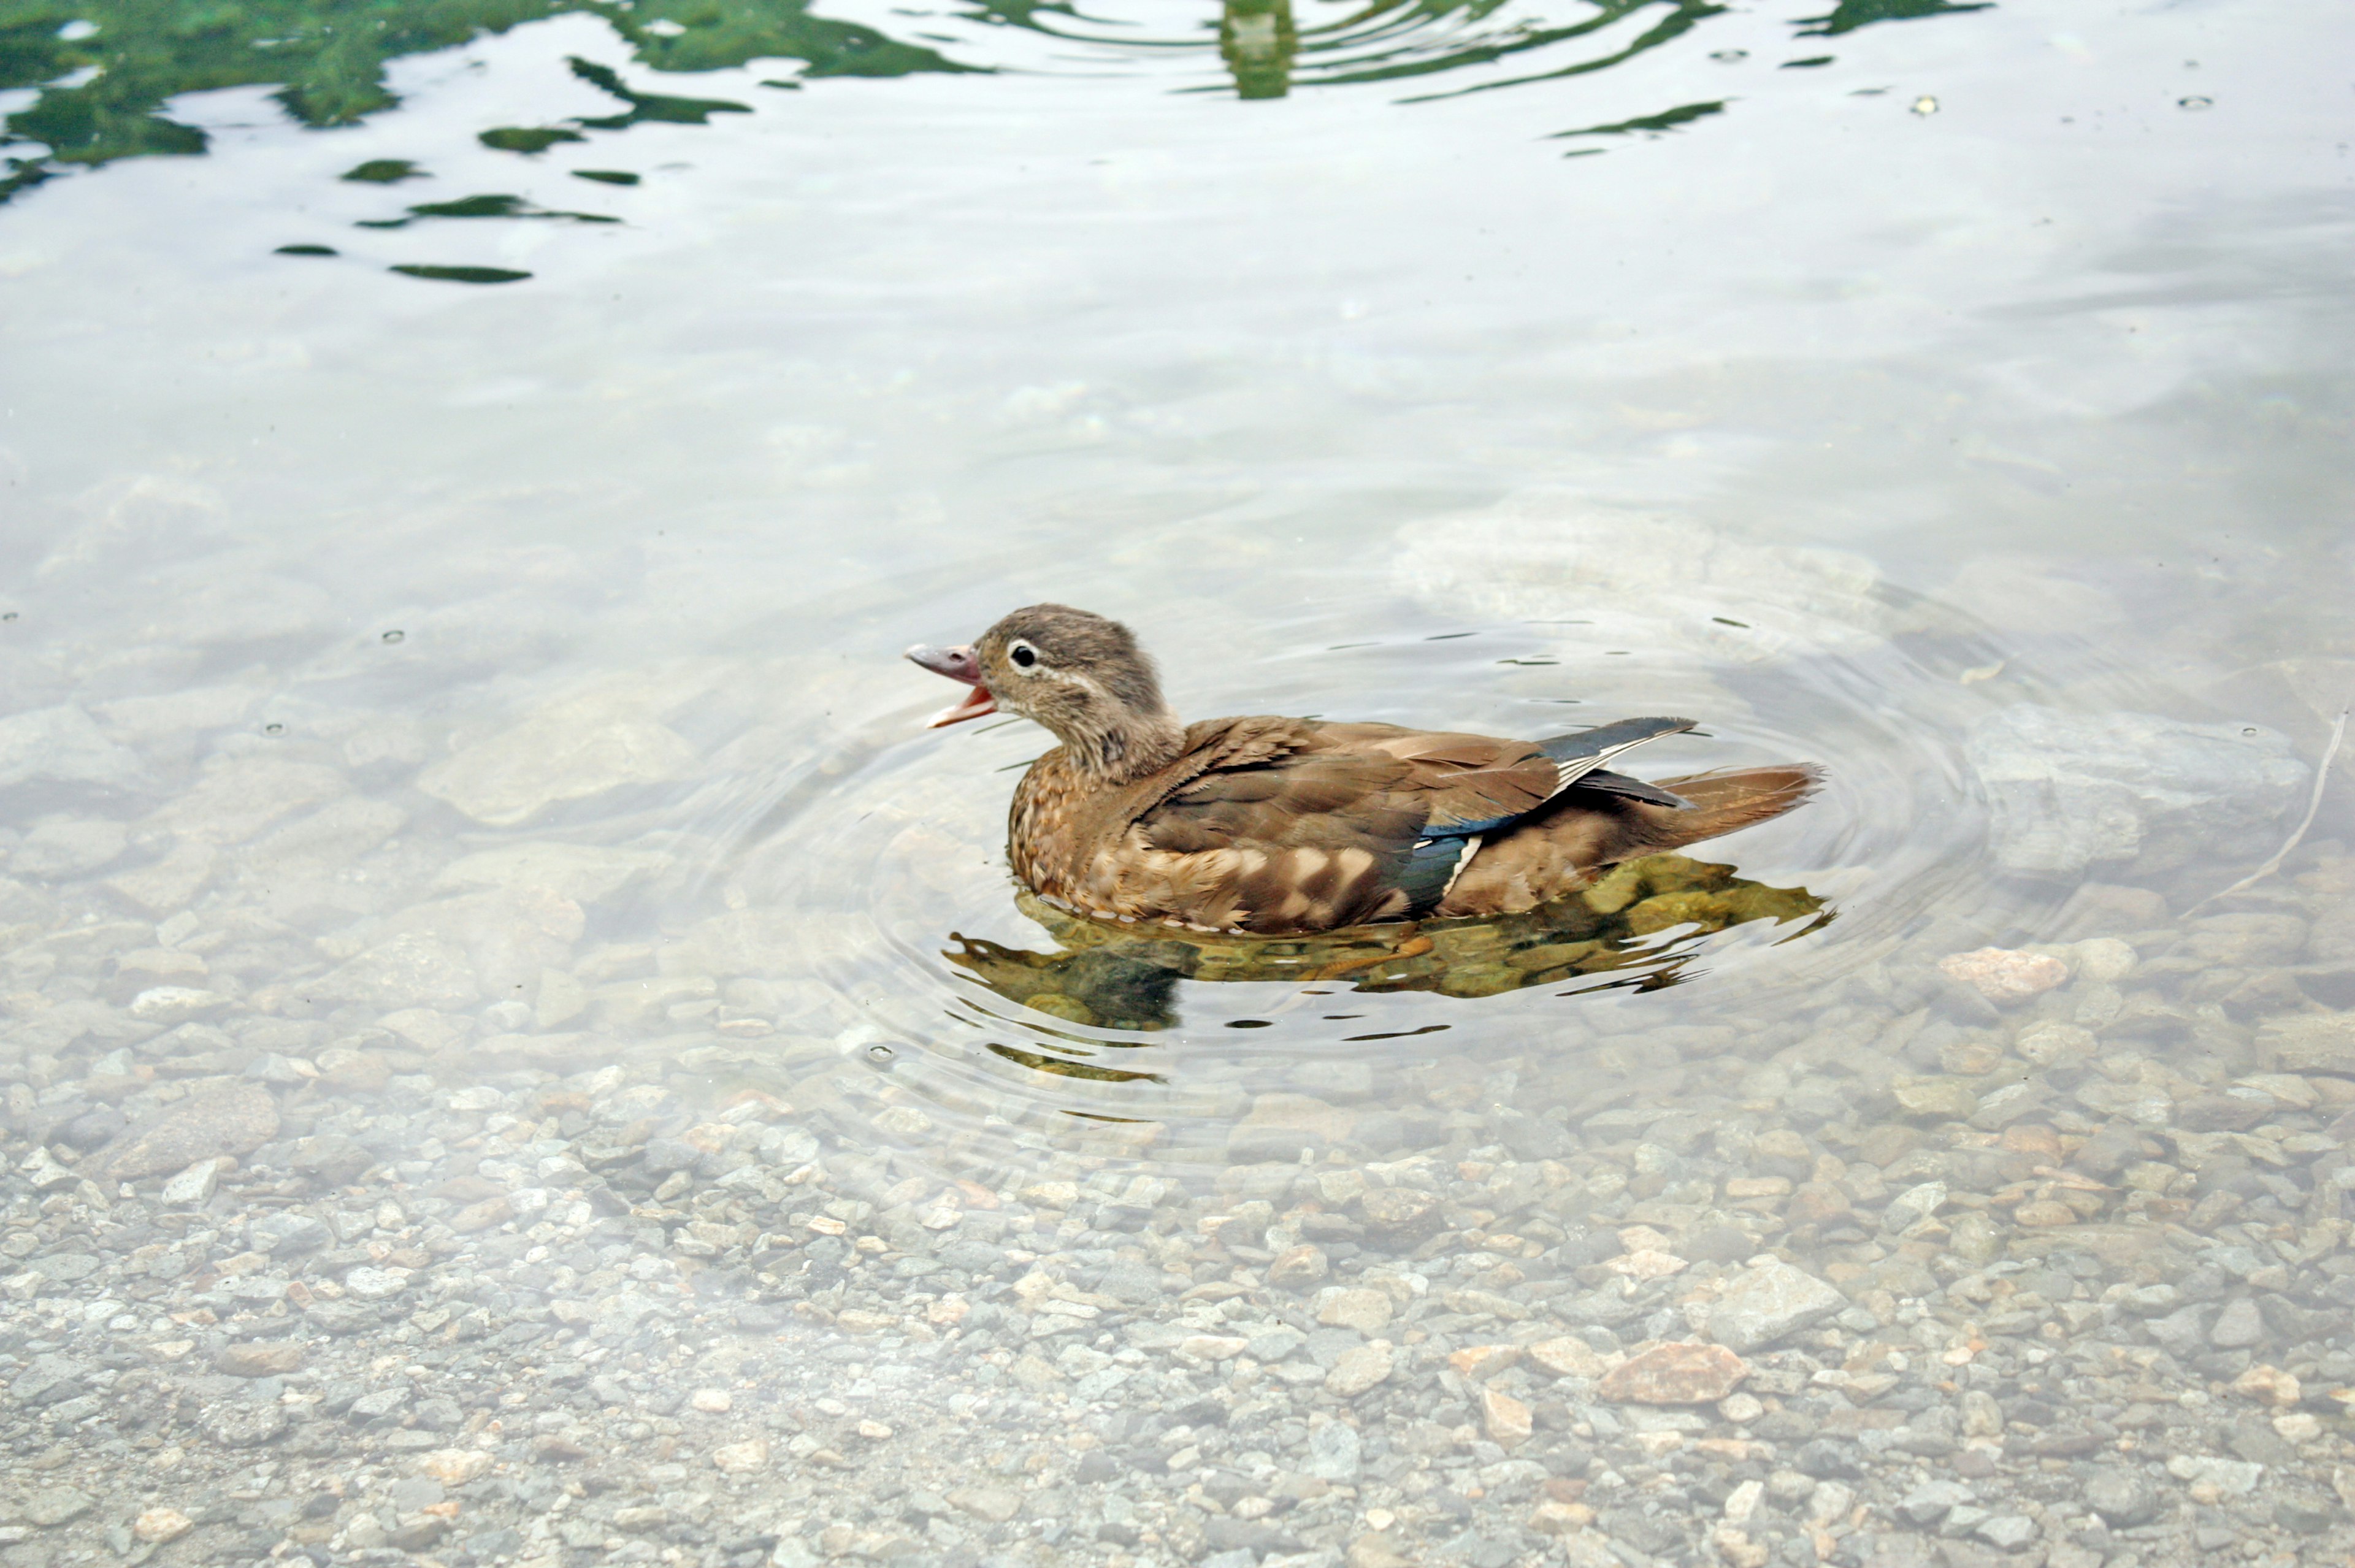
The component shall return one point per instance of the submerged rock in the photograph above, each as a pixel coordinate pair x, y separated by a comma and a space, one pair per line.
1647, 579
1674, 1373
234, 1119
1768, 1303
574, 748
61, 745
2075, 791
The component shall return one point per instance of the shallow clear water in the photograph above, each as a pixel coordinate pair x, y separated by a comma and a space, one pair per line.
509, 672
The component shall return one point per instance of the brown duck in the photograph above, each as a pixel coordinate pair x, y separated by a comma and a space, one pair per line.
1289, 826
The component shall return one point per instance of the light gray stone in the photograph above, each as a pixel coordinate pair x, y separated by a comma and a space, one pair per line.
2124, 1498
2007, 1531
1359, 1369
195, 1185
2311, 1042
2075, 791
583, 872
67, 845
412, 970
1928, 1503
61, 745
50, 1507
232, 1119
1769, 1302
243, 1424
576, 747
1642, 579
370, 1284
1333, 1452
2238, 1327
2233, 1477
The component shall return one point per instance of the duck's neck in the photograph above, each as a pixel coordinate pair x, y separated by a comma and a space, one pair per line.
1126, 748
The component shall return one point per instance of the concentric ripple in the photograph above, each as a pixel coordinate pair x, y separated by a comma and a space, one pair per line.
871, 884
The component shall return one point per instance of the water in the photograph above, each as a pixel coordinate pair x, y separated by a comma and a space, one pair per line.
1364, 402
499, 659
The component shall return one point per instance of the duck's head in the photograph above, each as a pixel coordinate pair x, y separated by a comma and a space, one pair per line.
1081, 676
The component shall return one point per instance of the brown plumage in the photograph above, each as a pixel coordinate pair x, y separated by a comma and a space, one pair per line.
1287, 825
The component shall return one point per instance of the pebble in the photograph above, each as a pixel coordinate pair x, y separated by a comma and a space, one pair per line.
1768, 1303
2238, 1326
1567, 1355
2124, 1498
1674, 1373
993, 1504
257, 1359
1366, 1311
1506, 1420
2004, 975
228, 1120
741, 1458
49, 1507
1359, 1369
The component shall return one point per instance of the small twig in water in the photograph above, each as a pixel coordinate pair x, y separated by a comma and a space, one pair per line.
2313, 806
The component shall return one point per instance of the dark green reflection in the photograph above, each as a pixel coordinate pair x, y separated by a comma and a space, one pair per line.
384, 171
1257, 40
484, 206
1119, 976
521, 139
461, 275
1666, 120
105, 70
327, 61
1851, 14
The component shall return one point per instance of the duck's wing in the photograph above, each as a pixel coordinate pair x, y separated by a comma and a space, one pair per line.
1579, 757
1368, 818
1321, 798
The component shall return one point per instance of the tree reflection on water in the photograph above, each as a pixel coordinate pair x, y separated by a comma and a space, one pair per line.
100, 73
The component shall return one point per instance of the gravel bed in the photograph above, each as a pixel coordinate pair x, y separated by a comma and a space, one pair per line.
2009, 1289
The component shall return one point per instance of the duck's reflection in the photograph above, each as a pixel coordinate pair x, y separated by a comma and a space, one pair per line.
1638, 925
1257, 40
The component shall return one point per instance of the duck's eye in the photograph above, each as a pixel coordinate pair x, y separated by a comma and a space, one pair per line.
1023, 654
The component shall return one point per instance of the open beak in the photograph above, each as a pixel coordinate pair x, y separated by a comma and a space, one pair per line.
957, 664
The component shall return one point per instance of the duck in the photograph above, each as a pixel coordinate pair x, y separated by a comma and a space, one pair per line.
1277, 827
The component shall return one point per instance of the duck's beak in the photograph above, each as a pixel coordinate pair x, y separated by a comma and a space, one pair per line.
957, 664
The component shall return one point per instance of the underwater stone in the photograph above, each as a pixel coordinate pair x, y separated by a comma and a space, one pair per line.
412, 970
1676, 1373
234, 1119
2072, 791
2003, 975
240, 794
1333, 1452
2310, 1043
67, 845
1359, 1369
581, 872
1935, 1099
1769, 1302
1640, 577
573, 749
61, 745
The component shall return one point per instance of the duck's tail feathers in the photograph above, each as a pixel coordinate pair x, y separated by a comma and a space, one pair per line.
1727, 799
1577, 755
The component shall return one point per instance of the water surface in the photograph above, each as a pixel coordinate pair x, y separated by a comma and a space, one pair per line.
467, 484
